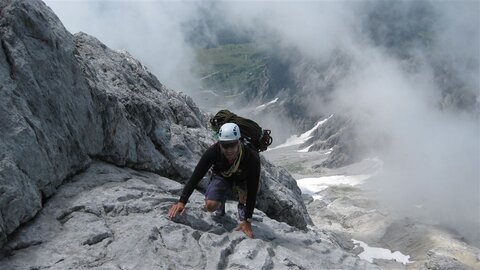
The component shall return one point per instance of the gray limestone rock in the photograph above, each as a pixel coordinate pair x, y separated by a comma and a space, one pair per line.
335, 137
54, 119
145, 125
444, 262
116, 218
67, 100
280, 197
45, 107
59, 110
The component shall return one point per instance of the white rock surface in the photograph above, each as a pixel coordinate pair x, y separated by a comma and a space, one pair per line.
116, 218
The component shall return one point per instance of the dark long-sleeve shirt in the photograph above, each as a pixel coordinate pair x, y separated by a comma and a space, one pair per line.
249, 171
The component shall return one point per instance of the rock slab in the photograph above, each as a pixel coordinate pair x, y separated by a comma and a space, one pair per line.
116, 218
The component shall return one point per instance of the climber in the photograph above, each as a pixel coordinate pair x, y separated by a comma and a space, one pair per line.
235, 166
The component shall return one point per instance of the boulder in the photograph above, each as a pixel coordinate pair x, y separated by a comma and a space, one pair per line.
280, 197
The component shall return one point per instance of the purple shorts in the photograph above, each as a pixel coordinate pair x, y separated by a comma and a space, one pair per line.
219, 189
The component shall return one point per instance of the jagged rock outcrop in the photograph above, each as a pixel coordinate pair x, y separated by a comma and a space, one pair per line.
67, 100
144, 125
280, 197
335, 136
116, 218
341, 139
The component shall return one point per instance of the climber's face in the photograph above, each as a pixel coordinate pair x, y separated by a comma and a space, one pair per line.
230, 149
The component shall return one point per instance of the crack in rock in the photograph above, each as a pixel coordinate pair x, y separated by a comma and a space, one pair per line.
226, 252
268, 264
97, 238
129, 197
25, 245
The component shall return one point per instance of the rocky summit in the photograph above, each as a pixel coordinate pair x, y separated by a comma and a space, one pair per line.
93, 151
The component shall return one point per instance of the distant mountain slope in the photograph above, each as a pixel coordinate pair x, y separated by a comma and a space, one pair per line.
306, 88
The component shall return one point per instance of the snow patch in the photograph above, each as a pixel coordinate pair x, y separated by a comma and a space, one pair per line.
296, 140
304, 150
266, 104
209, 75
312, 186
370, 253
211, 92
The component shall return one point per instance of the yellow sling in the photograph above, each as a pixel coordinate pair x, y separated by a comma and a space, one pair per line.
234, 168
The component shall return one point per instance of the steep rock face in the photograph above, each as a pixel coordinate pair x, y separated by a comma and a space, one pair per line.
280, 197
114, 218
343, 141
53, 120
66, 100
145, 125
337, 137
45, 109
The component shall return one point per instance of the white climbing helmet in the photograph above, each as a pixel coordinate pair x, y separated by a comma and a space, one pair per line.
229, 132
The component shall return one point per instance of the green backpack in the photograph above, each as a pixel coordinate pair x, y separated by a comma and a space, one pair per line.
250, 130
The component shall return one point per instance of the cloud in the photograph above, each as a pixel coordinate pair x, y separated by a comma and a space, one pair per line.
314, 28
149, 30
431, 156
407, 72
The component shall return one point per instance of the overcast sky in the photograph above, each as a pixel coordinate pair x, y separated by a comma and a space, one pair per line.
432, 155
